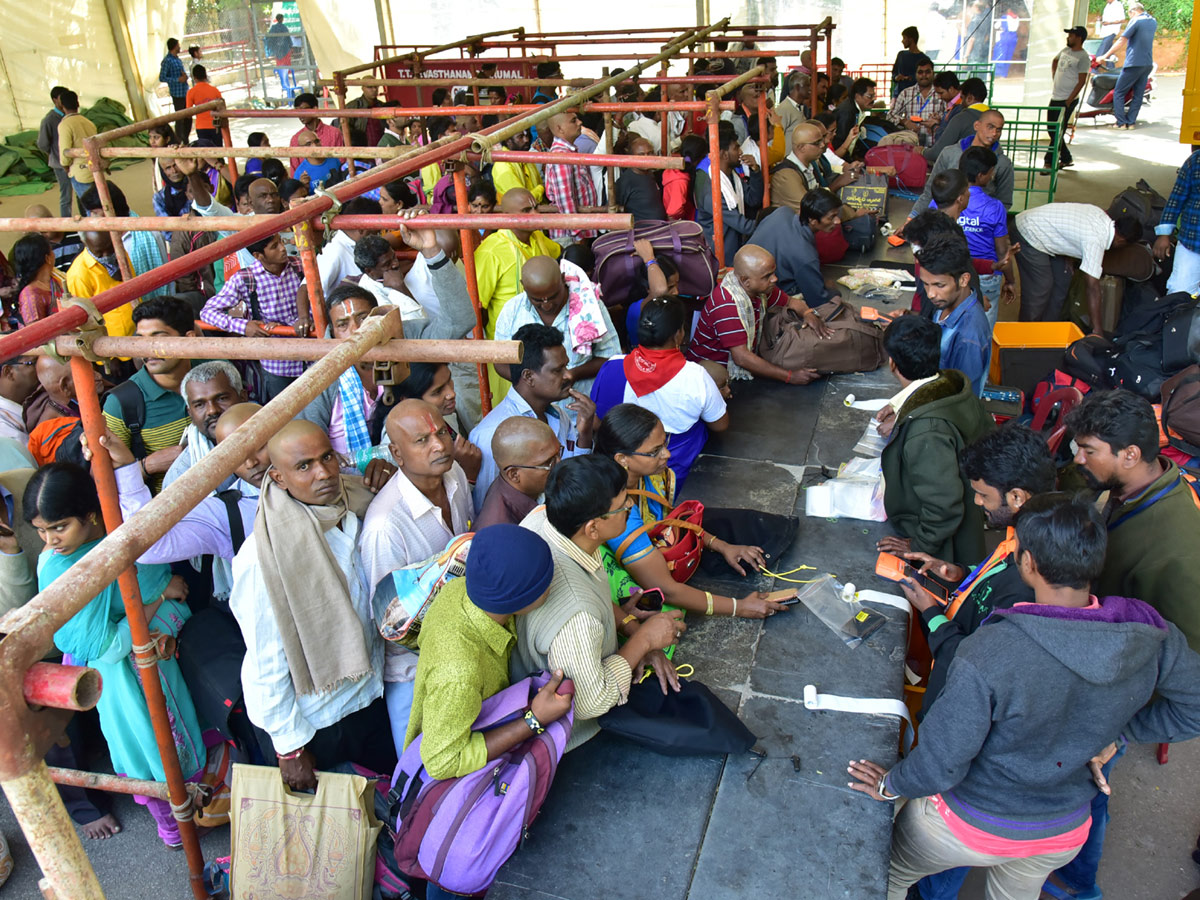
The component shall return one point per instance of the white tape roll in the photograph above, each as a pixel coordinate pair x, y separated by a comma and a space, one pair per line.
872, 706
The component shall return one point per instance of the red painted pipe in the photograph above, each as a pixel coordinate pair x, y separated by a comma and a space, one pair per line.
389, 112
41, 331
590, 159
491, 221
62, 687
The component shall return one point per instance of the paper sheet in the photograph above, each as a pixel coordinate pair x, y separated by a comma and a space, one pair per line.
869, 405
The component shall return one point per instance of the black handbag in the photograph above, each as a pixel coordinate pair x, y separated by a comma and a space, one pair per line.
692, 722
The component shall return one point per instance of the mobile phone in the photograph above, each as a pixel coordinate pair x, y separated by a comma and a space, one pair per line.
893, 568
896, 241
651, 600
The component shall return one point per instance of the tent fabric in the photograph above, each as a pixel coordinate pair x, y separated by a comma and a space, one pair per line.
341, 35
70, 42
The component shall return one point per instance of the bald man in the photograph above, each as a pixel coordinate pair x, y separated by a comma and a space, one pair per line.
66, 245
569, 188
744, 295
498, 262
412, 518
525, 451
987, 131
312, 678
261, 198
552, 289
793, 176
55, 395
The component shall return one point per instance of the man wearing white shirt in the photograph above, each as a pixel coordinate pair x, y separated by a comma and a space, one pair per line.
382, 275
412, 518
18, 380
313, 674
1053, 235
540, 384
1111, 21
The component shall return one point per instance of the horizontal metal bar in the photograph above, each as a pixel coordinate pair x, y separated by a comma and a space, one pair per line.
399, 350
590, 159
391, 112
603, 221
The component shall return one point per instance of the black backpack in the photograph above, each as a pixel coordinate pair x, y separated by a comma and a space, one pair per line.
1142, 202
1181, 338
1137, 366
133, 414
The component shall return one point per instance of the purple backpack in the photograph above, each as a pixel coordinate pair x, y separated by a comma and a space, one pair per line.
458, 832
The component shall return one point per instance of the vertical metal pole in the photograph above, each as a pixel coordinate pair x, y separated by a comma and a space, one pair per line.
51, 835
339, 87
258, 51
227, 141
139, 629
466, 237
714, 174
610, 174
664, 116
813, 72
306, 241
92, 146
764, 150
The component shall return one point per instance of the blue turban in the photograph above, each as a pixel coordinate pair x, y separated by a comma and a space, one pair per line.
508, 568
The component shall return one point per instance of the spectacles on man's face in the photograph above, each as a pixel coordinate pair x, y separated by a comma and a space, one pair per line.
546, 466
621, 510
20, 362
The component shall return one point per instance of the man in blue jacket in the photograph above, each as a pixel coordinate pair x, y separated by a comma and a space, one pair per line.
1007, 766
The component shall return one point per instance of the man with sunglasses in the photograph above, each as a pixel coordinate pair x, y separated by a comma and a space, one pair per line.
525, 451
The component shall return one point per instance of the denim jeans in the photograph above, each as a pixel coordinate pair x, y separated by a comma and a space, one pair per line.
433, 892
66, 191
990, 286
1080, 873
1131, 78
399, 697
943, 885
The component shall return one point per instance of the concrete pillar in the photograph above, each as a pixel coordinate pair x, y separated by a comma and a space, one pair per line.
1049, 19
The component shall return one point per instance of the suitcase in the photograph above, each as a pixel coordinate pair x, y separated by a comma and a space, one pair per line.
620, 272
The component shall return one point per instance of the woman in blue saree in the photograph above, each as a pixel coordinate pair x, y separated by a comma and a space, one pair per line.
61, 503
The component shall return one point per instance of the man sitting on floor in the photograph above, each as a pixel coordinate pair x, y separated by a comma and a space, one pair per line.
1003, 775
414, 517
575, 631
791, 238
313, 673
525, 450
938, 415
732, 319
540, 385
467, 637
988, 128
1006, 468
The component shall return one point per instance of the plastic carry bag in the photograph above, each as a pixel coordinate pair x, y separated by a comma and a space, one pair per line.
856, 493
826, 598
288, 846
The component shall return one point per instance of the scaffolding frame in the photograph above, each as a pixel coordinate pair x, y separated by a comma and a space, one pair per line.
37, 709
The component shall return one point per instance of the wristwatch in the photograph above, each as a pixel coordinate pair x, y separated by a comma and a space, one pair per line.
532, 721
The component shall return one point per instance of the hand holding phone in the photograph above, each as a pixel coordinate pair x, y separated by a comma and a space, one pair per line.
651, 600
893, 568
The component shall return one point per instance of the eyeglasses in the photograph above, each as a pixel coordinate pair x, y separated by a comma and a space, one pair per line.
544, 467
657, 453
621, 510
19, 362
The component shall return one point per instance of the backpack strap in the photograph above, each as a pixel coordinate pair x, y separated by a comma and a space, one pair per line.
237, 530
1174, 439
133, 413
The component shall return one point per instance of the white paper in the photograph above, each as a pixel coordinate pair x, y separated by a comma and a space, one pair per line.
868, 405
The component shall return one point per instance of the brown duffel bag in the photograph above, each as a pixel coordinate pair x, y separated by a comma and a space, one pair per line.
856, 345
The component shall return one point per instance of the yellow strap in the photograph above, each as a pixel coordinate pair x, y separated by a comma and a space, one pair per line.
679, 672
782, 576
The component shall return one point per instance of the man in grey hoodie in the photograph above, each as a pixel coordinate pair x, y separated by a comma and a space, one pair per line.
1003, 777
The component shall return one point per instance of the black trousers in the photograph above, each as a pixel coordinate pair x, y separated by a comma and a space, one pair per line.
183, 128
1053, 115
363, 737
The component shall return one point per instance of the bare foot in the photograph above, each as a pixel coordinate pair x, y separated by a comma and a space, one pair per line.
102, 828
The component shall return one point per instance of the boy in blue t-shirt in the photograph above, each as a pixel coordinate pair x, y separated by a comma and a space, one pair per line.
983, 220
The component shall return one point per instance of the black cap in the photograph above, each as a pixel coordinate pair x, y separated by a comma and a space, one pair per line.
1079, 30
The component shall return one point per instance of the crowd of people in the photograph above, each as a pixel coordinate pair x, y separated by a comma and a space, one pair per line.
292, 561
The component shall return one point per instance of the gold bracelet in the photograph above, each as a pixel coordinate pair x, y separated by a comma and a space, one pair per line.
734, 599
629, 618
709, 597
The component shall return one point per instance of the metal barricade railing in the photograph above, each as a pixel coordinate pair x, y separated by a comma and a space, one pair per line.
881, 74
1030, 140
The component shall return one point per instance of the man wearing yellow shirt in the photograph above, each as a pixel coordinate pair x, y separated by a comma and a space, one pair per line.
72, 129
509, 175
498, 262
95, 271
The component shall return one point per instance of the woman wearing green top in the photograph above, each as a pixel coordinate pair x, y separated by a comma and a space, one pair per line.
636, 439
61, 503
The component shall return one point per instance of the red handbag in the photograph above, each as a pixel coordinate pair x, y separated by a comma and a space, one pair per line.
679, 537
